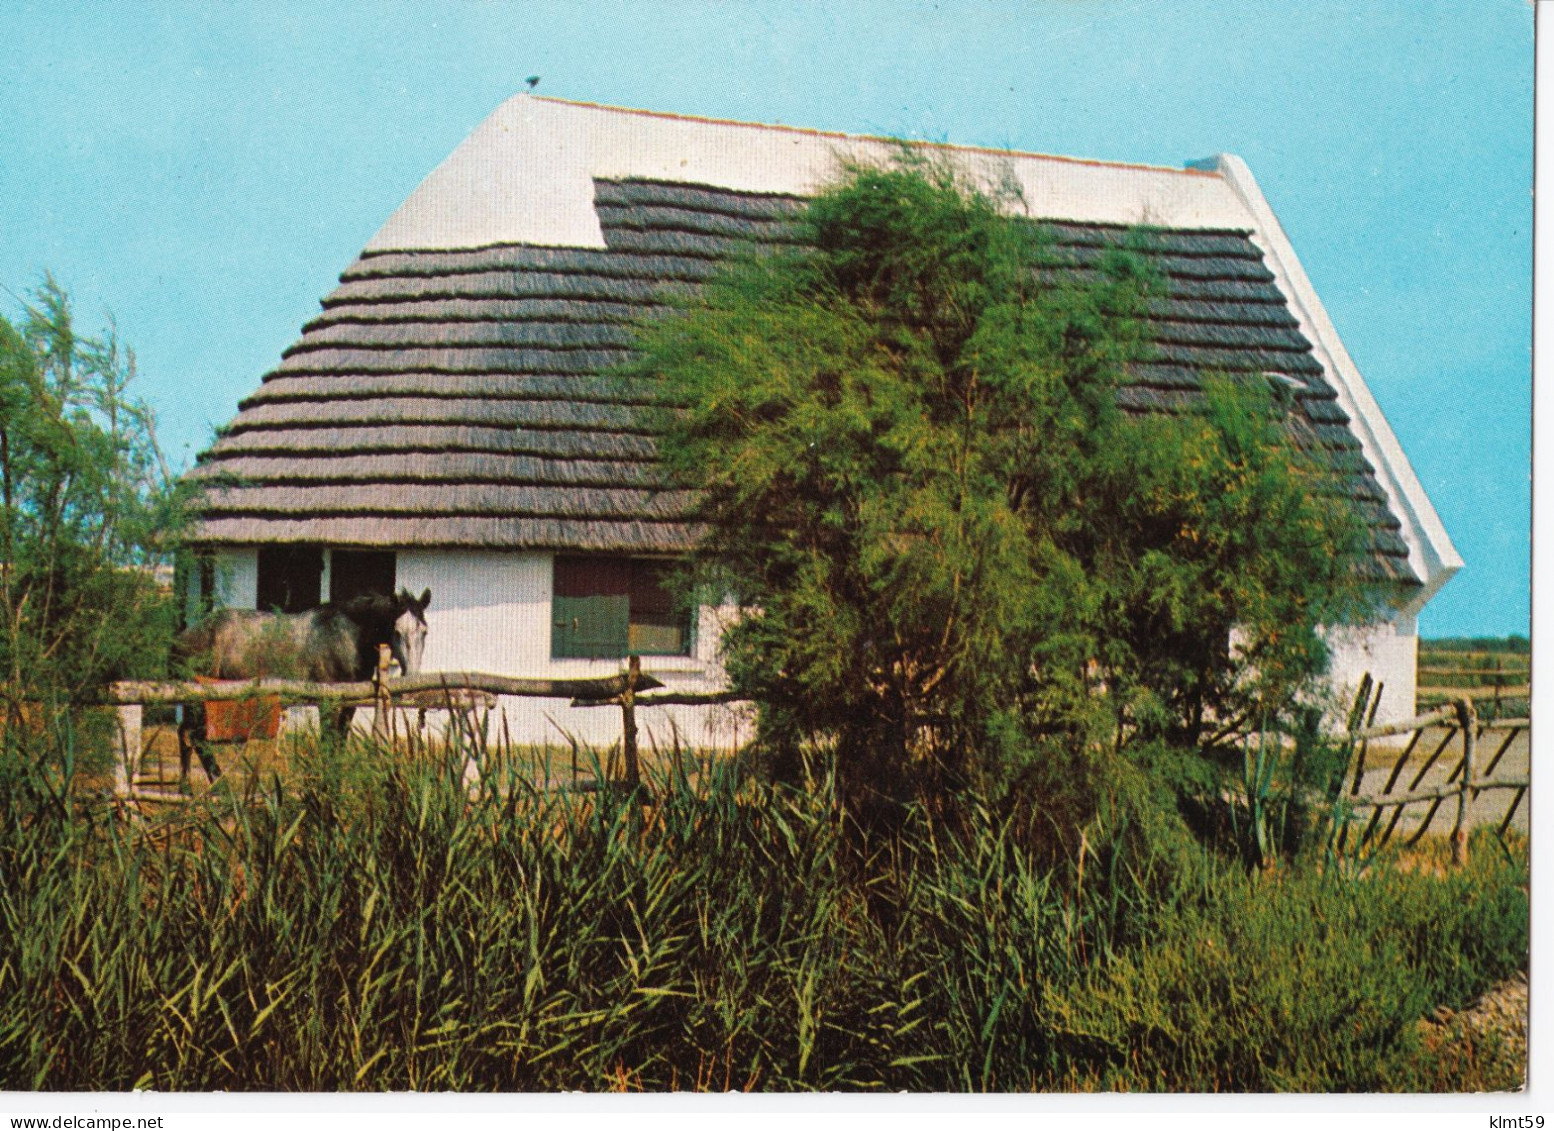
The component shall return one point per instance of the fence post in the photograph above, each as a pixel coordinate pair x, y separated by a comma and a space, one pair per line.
1467, 718
380, 695
1357, 722
629, 721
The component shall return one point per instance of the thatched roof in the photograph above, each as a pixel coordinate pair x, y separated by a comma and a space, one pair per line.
464, 397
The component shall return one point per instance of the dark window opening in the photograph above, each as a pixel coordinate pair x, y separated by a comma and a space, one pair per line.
607, 608
355, 572
290, 578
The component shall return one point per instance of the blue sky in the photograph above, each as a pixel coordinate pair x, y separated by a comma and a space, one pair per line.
205, 171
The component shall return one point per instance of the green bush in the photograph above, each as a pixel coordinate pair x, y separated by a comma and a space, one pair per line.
1307, 981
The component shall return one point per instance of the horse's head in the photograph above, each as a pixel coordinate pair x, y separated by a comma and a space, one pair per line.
409, 639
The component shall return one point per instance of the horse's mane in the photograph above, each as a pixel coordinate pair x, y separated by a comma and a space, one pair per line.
364, 608
372, 611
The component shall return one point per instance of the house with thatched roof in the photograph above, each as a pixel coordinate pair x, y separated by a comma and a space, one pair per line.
450, 420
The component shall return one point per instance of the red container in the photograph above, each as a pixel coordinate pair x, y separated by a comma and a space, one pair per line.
238, 720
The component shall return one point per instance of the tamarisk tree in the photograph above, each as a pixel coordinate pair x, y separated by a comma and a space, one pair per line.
953, 549
86, 509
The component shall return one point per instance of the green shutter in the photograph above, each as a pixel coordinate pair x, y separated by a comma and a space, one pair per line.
590, 627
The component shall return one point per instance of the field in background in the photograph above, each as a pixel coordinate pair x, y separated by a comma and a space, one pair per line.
1496, 671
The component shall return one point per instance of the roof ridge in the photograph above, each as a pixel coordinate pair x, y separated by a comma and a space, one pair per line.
840, 135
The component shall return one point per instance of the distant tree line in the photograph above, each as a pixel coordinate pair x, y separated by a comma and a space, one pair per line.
1514, 644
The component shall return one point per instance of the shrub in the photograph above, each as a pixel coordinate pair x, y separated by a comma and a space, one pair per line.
1306, 982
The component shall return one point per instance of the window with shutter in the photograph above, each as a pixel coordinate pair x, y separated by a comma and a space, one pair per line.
608, 608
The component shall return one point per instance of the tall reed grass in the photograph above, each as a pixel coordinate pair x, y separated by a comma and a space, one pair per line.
368, 924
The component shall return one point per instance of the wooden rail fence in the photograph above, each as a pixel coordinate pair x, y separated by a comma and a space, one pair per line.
1464, 784
458, 692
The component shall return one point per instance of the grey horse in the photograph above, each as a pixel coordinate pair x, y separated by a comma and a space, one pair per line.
334, 643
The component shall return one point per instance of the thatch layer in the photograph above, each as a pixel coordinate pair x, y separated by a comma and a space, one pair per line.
697, 199
468, 398
610, 264
389, 497
1177, 266
500, 468
1227, 335
464, 531
362, 296
454, 311
390, 439
1227, 314
545, 414
600, 388
1164, 375
562, 335
688, 221
454, 359
1163, 241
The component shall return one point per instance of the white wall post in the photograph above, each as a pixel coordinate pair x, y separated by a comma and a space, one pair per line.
126, 767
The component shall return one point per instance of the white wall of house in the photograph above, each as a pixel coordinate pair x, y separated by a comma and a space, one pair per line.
490, 612
1389, 653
